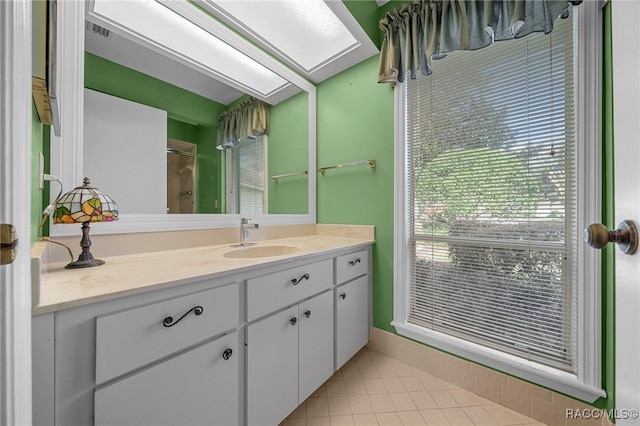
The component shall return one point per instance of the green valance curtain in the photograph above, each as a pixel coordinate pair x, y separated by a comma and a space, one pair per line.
423, 30
248, 119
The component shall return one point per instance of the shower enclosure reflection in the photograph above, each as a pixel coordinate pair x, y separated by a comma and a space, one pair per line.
181, 177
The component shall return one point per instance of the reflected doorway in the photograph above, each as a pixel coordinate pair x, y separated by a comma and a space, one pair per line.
181, 177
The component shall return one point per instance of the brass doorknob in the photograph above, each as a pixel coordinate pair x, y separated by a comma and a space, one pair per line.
626, 236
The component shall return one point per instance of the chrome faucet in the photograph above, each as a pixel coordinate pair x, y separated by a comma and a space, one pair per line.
245, 226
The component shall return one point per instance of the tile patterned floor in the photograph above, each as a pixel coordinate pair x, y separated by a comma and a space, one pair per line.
373, 389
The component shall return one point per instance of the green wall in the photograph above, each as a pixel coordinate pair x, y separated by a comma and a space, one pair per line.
289, 153
37, 146
355, 122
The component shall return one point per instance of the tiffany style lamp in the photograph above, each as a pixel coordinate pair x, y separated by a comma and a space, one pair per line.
85, 204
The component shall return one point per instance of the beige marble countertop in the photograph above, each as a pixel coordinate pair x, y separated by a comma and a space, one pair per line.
57, 288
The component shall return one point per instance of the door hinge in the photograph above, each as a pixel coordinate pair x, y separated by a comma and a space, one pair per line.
8, 243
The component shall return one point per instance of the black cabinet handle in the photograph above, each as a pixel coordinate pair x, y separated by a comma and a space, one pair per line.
343, 295
354, 262
293, 321
296, 281
227, 353
168, 321
307, 314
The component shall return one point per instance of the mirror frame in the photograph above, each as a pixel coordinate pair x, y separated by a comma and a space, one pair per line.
66, 151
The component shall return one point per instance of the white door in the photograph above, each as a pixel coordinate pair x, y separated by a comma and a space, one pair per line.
626, 93
352, 319
15, 193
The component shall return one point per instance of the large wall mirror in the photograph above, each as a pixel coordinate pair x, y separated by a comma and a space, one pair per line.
143, 98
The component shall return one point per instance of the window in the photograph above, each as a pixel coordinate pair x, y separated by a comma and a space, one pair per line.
488, 245
246, 164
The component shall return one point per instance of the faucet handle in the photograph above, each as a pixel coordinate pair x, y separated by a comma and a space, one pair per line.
245, 220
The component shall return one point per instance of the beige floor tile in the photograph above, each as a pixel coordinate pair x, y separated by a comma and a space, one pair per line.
374, 386
423, 400
317, 407
360, 404
402, 401
336, 388
360, 394
365, 420
434, 417
351, 372
321, 391
393, 385
318, 421
431, 382
464, 398
344, 420
381, 403
411, 418
412, 384
443, 399
301, 411
457, 416
386, 370
338, 406
355, 387
479, 416
389, 419
368, 371
505, 416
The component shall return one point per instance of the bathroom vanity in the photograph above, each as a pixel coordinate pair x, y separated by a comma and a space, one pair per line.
208, 335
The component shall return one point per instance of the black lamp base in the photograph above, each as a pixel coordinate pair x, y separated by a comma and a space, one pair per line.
85, 260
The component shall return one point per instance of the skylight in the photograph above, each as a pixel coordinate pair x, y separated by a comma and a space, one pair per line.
307, 32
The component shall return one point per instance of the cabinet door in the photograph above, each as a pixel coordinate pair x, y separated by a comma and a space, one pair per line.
272, 368
315, 343
195, 388
352, 319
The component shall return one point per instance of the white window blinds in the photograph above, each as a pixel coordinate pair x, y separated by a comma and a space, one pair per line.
491, 169
248, 193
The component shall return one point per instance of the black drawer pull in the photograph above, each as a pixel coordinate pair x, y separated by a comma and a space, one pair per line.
168, 321
307, 314
293, 321
227, 353
343, 295
354, 262
296, 281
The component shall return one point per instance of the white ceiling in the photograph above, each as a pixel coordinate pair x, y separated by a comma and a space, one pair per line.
177, 43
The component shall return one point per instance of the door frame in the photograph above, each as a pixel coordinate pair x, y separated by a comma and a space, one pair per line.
626, 127
15, 205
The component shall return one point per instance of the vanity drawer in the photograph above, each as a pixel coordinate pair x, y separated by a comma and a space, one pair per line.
129, 339
270, 292
351, 266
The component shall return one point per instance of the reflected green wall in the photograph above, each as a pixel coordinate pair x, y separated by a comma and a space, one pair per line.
288, 153
37, 146
208, 159
355, 122
191, 118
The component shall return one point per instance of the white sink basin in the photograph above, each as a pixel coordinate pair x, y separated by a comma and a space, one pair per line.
260, 251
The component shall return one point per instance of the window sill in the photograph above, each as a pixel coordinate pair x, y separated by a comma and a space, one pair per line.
539, 374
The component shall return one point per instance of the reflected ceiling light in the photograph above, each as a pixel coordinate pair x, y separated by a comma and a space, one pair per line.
308, 32
163, 29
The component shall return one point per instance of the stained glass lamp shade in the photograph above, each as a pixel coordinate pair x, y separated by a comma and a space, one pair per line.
85, 204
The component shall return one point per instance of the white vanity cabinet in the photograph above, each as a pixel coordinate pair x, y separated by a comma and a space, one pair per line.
199, 387
241, 348
352, 304
289, 355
